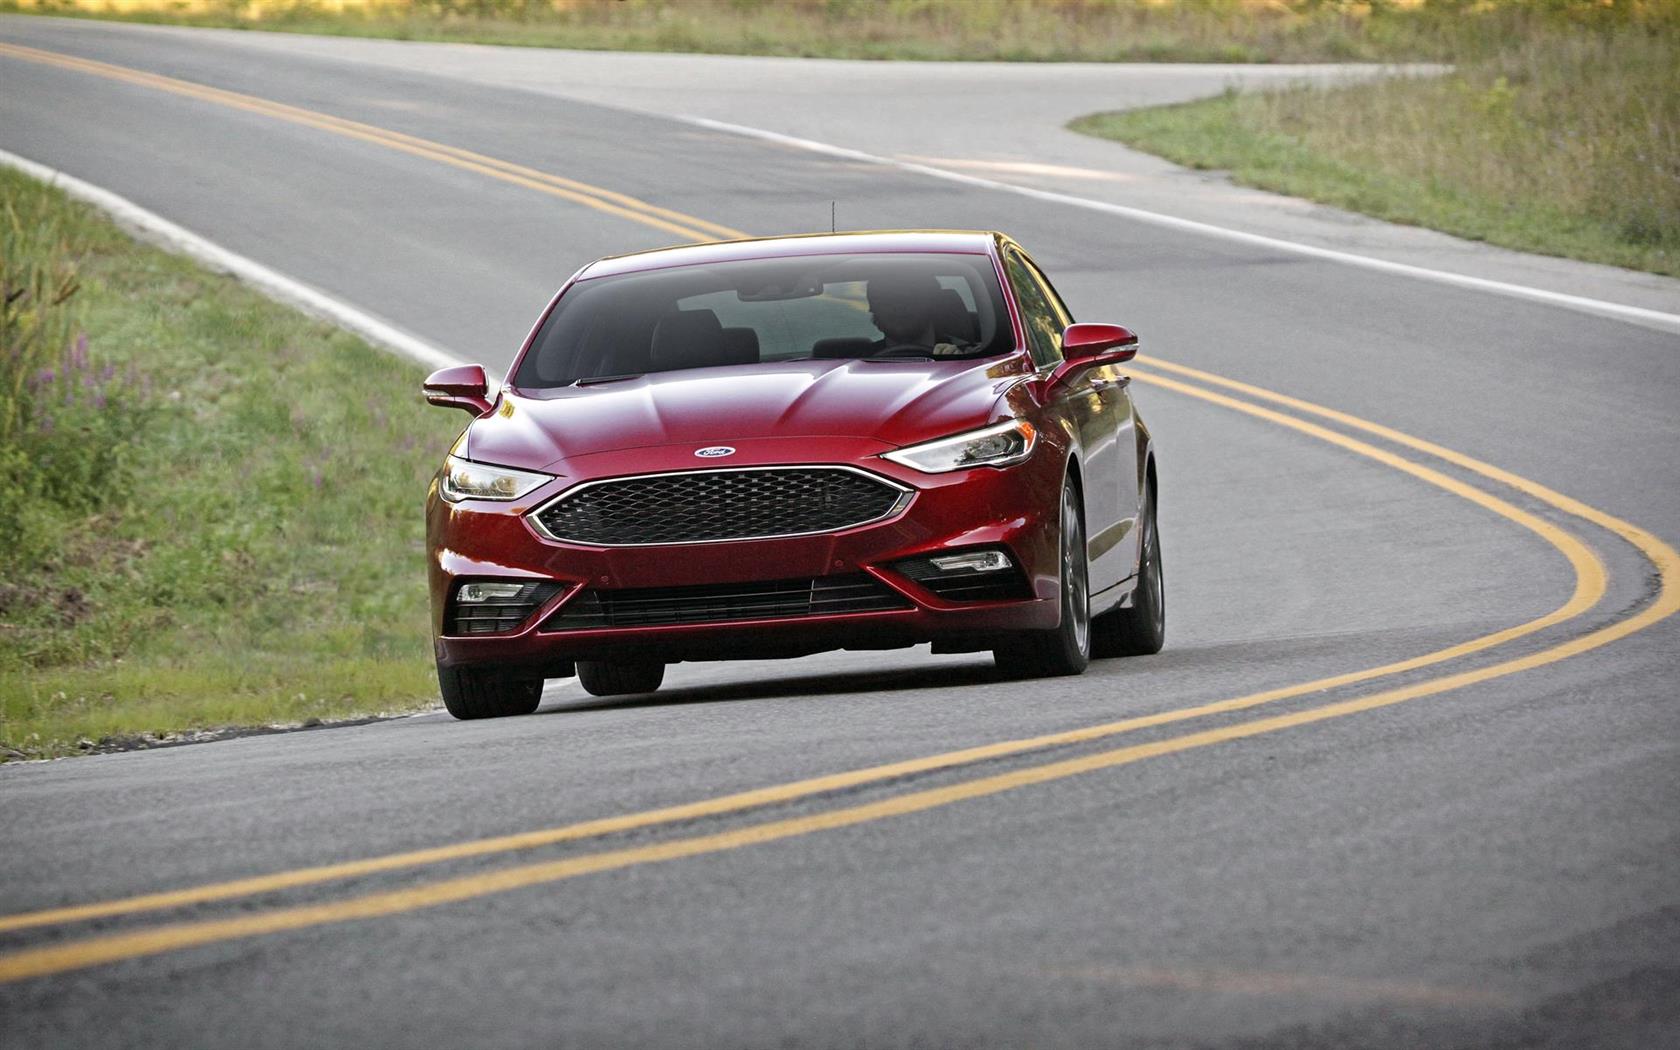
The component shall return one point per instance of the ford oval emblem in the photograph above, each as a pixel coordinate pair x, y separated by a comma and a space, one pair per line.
714, 452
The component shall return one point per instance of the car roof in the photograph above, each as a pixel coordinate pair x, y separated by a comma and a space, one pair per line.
964, 242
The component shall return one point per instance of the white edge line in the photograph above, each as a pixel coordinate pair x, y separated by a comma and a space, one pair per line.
1601, 307
157, 230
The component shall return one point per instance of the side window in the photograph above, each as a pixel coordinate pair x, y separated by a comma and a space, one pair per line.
1056, 303
1044, 333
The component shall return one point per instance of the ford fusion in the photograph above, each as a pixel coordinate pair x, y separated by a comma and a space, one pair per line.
772, 448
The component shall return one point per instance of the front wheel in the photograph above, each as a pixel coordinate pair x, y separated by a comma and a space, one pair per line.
1066, 650
469, 692
600, 678
1140, 629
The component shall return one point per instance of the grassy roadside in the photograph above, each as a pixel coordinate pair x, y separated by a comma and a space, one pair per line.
993, 30
248, 549
1563, 139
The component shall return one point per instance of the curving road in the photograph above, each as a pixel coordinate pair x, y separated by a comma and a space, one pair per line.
1406, 774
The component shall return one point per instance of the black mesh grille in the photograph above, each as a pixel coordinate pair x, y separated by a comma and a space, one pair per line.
966, 585
498, 614
719, 505
712, 603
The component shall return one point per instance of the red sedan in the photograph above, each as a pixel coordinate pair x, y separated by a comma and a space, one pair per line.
771, 448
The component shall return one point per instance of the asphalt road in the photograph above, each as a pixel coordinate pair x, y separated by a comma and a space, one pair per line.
1401, 860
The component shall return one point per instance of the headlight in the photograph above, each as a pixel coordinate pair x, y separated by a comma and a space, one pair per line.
464, 480
995, 446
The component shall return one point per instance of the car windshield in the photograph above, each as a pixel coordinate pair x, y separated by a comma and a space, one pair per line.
747, 312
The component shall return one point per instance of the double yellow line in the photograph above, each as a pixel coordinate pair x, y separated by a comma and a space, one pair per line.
608, 201
1257, 402
1589, 589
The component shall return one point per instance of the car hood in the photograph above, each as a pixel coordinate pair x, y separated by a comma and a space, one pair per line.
894, 402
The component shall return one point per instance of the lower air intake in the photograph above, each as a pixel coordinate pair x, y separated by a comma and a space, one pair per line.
716, 603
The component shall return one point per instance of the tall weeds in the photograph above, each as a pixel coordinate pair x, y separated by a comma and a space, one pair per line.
37, 283
67, 425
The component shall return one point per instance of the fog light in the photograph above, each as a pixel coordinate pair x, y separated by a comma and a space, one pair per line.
478, 593
968, 576
973, 561
495, 606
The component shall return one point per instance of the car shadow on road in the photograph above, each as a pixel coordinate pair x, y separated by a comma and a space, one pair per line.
888, 680
903, 679
1223, 667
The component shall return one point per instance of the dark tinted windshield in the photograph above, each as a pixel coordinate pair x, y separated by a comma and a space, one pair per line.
751, 311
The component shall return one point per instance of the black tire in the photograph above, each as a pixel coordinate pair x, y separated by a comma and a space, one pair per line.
470, 692
1141, 629
1066, 649
603, 679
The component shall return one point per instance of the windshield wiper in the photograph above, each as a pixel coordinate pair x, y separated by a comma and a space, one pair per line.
592, 380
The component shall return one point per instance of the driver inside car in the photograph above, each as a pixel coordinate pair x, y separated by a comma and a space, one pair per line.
903, 307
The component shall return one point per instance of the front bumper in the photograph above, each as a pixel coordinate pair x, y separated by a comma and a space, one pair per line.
1012, 508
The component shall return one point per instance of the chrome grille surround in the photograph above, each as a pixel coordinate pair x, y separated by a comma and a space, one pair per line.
724, 505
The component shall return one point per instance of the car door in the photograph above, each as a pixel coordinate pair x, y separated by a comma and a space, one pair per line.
1097, 404
1115, 547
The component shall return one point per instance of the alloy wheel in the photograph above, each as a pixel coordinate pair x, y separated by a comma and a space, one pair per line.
1076, 580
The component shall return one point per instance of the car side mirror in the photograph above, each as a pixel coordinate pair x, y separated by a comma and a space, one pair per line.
1113, 343
463, 386
1090, 345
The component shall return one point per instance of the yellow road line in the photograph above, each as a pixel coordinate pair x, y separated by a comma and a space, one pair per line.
1647, 542
39, 962
604, 200
1590, 584
1589, 588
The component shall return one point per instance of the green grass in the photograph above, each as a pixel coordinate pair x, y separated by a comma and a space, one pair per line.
264, 561
1006, 30
1565, 140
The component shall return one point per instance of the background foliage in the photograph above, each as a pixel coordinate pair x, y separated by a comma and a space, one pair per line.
1558, 131
1057, 30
